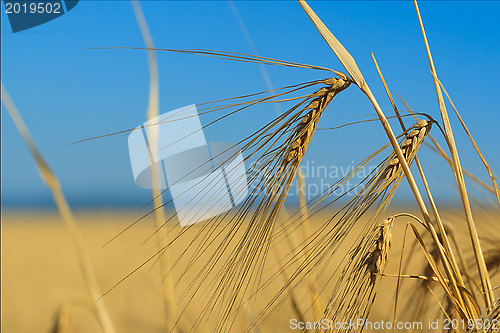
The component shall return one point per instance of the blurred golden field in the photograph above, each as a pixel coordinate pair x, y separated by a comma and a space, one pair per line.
40, 275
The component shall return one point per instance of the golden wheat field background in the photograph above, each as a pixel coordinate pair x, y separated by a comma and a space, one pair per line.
40, 277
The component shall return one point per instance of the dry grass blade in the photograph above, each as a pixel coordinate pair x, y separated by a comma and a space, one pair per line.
159, 215
449, 261
364, 87
345, 58
440, 151
438, 274
52, 183
349, 63
488, 169
317, 302
481, 265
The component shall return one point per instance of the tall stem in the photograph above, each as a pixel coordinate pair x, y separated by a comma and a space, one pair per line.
159, 214
459, 176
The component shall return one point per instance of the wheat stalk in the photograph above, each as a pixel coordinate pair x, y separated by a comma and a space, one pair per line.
67, 216
159, 215
355, 73
319, 248
481, 265
348, 62
448, 257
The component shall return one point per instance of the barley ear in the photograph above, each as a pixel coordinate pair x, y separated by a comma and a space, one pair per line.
353, 70
379, 254
348, 63
436, 147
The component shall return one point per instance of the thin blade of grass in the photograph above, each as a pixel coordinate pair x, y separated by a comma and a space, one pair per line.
440, 151
481, 265
53, 184
448, 257
353, 70
345, 57
159, 214
350, 65
486, 165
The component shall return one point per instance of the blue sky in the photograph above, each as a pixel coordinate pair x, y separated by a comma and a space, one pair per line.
66, 92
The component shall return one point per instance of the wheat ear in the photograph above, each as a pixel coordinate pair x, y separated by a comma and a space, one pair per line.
449, 260
379, 254
305, 129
